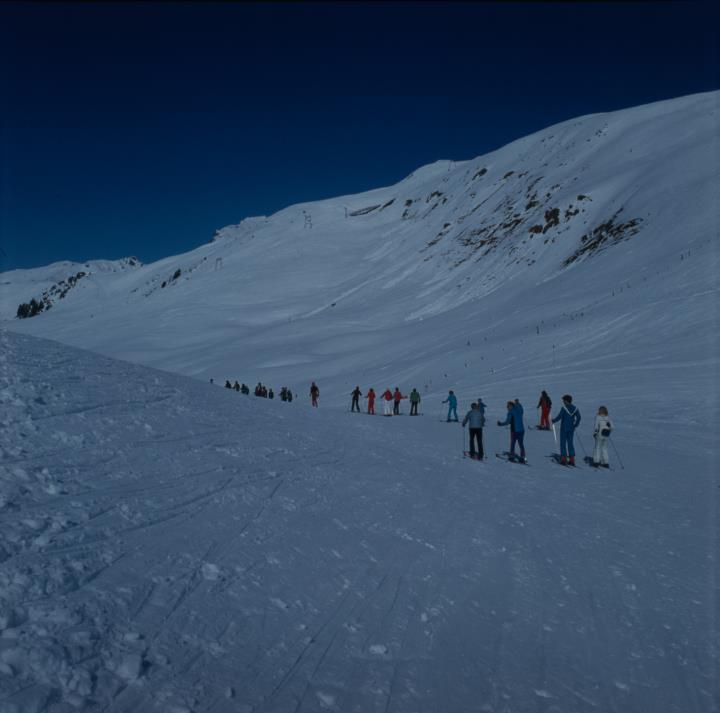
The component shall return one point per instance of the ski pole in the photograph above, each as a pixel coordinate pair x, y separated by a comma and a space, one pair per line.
616, 453
582, 446
463, 430
554, 434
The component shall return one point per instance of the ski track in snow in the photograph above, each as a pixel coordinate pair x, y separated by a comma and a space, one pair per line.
168, 545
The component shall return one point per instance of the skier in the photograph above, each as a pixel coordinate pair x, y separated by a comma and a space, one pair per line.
289, 395
397, 397
414, 401
236, 386
451, 401
603, 429
263, 391
570, 417
544, 404
244, 388
271, 395
371, 400
387, 397
258, 389
283, 394
314, 394
356, 394
477, 421
517, 429
228, 385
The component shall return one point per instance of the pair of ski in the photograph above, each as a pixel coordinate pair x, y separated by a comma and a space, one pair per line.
593, 464
512, 458
557, 458
505, 455
474, 456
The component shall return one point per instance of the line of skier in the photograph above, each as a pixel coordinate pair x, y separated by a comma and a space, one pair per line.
568, 417
260, 390
391, 401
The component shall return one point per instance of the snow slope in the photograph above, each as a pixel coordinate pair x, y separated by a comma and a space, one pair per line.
169, 545
608, 220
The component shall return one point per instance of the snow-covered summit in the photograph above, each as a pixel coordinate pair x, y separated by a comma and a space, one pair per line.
558, 222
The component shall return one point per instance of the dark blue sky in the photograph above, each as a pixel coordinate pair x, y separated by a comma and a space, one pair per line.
140, 128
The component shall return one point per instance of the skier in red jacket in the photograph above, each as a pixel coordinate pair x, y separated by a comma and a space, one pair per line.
545, 404
371, 400
397, 397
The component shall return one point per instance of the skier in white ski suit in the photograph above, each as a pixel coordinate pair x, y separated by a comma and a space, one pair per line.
603, 427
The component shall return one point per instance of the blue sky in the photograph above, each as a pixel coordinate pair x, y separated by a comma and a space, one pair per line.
140, 128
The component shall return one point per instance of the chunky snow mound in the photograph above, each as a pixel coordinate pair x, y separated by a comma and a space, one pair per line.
169, 545
611, 219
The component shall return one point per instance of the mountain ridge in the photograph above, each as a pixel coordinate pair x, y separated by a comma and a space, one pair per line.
585, 206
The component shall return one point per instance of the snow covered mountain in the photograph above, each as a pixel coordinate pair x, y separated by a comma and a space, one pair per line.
168, 545
549, 250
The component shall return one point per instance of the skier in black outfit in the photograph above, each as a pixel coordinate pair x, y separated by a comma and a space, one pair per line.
356, 394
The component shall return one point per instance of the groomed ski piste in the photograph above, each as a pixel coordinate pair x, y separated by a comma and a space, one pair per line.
171, 545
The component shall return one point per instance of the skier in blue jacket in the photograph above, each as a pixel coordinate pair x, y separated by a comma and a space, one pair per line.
451, 400
517, 428
569, 417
